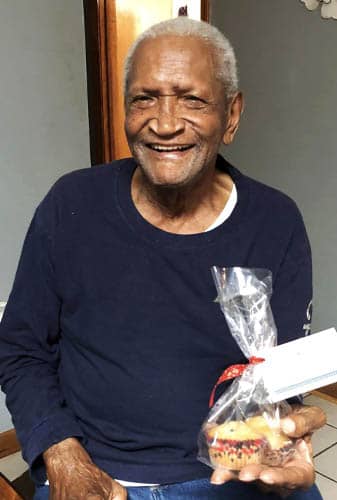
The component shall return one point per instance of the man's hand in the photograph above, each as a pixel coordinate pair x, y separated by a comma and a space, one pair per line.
297, 473
73, 476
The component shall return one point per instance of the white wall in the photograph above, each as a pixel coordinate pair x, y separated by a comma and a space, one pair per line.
288, 67
44, 122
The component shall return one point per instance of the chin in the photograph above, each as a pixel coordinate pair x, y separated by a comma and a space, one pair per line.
170, 181
174, 185
169, 176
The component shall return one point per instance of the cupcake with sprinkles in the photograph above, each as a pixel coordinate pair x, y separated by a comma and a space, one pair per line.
234, 444
279, 447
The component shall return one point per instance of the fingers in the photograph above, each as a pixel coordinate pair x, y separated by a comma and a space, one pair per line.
300, 474
297, 473
248, 473
290, 478
221, 476
308, 442
304, 448
303, 420
251, 472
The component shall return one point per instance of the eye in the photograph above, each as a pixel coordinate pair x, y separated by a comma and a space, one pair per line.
142, 101
193, 102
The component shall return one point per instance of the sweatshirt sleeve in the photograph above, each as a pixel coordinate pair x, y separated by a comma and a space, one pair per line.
29, 349
292, 288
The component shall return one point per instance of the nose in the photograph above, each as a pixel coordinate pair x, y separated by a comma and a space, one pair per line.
167, 120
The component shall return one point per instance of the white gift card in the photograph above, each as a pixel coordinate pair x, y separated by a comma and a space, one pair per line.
300, 366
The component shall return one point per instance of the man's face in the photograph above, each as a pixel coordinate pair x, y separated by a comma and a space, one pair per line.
175, 110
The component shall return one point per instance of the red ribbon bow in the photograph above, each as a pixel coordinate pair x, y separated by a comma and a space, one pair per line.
232, 372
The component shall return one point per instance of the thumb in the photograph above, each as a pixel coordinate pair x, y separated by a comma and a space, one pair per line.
303, 420
304, 450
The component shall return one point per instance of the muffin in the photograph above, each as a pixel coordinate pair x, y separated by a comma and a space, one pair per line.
279, 447
234, 444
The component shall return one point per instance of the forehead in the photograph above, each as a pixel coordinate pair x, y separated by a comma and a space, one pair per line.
173, 60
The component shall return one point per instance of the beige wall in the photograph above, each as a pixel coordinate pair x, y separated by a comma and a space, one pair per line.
288, 70
43, 109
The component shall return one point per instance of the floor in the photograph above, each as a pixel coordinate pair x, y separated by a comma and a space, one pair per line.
324, 443
325, 449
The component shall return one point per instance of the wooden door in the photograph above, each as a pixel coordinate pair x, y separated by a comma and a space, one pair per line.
110, 27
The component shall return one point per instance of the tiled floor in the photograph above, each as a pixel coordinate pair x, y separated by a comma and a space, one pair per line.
324, 443
325, 449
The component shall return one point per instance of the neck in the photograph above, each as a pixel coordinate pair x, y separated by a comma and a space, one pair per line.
183, 210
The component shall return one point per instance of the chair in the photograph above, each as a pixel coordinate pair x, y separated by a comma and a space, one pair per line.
7, 492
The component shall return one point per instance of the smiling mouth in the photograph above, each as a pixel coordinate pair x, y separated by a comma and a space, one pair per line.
159, 148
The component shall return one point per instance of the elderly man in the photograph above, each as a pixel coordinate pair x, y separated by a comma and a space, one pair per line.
111, 341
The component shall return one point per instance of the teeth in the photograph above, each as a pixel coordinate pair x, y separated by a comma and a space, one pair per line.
169, 148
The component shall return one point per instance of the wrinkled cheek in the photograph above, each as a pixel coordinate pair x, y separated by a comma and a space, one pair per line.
130, 135
134, 123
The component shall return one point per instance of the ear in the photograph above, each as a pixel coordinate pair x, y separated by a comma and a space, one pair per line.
234, 112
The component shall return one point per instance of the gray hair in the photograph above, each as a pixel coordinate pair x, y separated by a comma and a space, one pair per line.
183, 26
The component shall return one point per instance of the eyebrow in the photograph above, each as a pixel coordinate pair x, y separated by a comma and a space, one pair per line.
176, 90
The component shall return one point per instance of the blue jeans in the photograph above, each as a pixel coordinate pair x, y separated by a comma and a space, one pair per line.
201, 489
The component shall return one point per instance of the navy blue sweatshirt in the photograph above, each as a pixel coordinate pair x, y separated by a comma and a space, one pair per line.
111, 333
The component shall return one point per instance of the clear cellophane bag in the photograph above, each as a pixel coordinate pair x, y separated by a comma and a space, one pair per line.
243, 427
